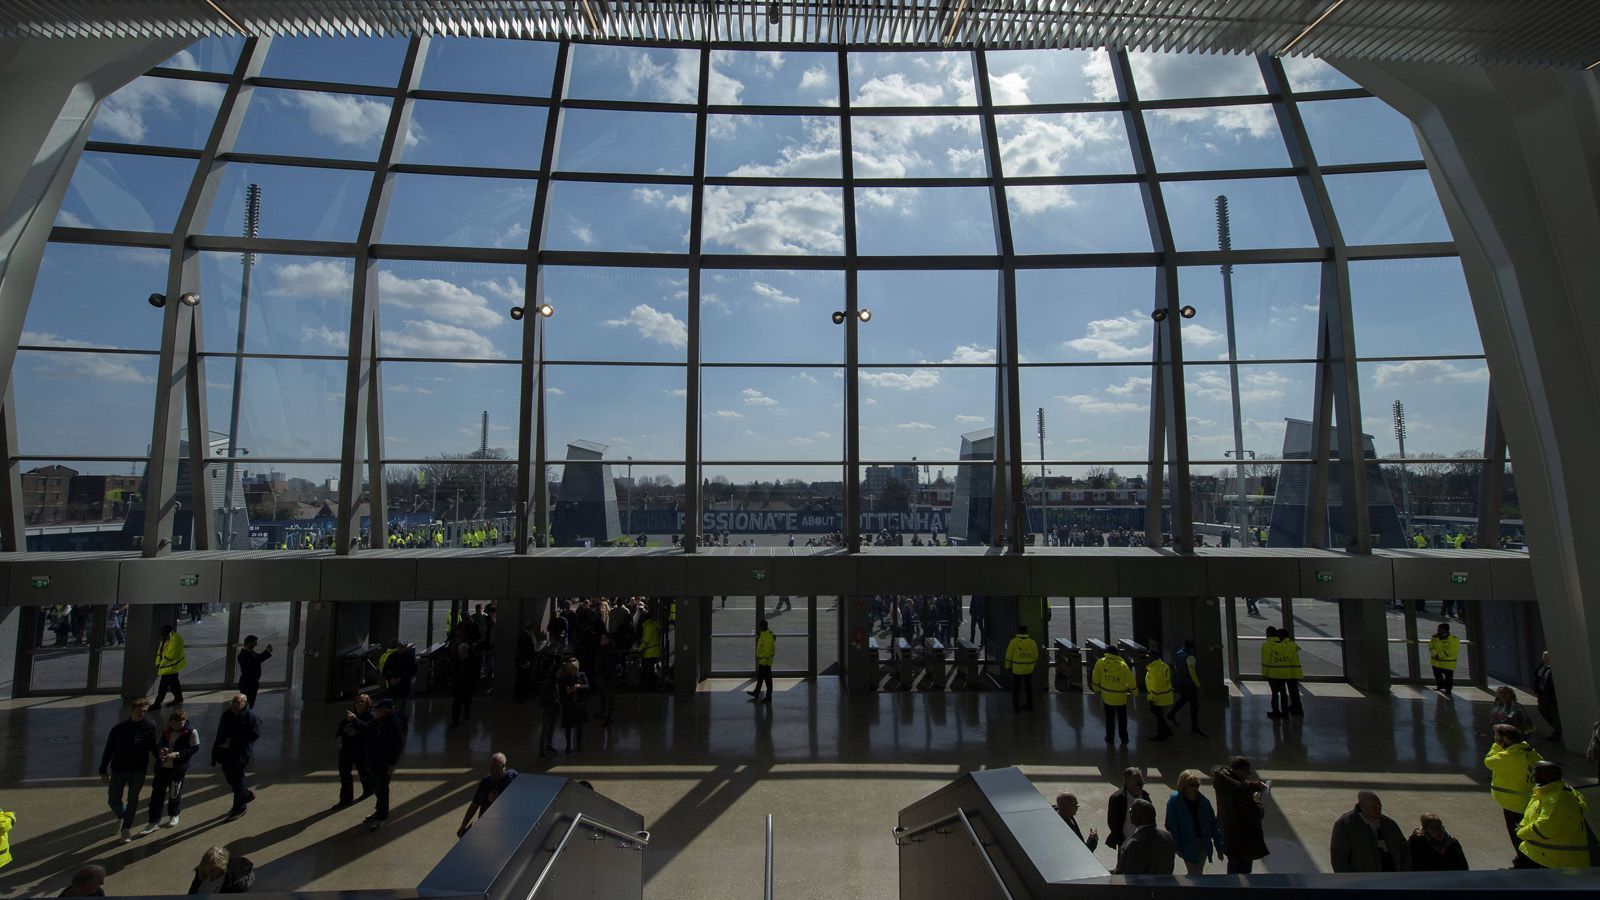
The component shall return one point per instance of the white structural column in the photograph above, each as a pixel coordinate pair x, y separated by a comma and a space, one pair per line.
1515, 156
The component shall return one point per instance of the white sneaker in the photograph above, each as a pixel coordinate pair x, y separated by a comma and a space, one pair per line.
148, 829
169, 823
127, 835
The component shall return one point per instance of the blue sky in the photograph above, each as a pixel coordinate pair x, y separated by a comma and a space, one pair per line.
925, 354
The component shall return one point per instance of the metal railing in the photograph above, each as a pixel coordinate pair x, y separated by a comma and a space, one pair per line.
637, 841
903, 836
769, 857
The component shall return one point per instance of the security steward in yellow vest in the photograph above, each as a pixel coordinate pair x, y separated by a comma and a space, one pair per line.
1022, 654
650, 648
1444, 649
1158, 687
1113, 680
1280, 662
1510, 761
7, 820
1552, 830
169, 662
766, 649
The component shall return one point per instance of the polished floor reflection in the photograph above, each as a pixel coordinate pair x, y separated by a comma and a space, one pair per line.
705, 771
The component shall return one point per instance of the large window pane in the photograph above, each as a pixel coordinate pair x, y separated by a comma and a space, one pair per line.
127, 192
316, 124
1084, 315
773, 78
928, 317
1095, 412
489, 66
590, 216
474, 134
1358, 131
916, 147
648, 501
459, 211
1087, 218
1268, 394
346, 60
458, 310
1387, 208
771, 316
296, 202
159, 112
112, 398
763, 220
1063, 144
288, 407
1412, 307
97, 495
209, 54
298, 304
1316, 629
655, 74
924, 221
633, 410
435, 410
632, 315
923, 412
608, 140
1263, 212
1175, 76
1216, 137
1307, 73
772, 413
1444, 404
772, 146
911, 79
1018, 77
1275, 309
90, 296
768, 503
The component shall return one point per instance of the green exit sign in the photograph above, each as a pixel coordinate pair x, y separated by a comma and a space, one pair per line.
40, 581
1325, 577
188, 580
1458, 578
758, 574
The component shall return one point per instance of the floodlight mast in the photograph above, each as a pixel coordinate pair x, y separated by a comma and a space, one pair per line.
1225, 244
1405, 488
252, 229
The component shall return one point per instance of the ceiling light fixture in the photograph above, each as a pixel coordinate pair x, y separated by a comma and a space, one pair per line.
1314, 23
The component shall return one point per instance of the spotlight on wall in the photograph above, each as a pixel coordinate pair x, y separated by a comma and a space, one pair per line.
516, 314
547, 310
158, 300
1187, 312
189, 298
838, 317
1160, 315
864, 315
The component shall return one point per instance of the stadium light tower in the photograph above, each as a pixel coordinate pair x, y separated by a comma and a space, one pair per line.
1405, 489
1044, 488
252, 229
1225, 244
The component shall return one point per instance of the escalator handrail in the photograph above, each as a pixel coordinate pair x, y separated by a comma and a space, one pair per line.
642, 839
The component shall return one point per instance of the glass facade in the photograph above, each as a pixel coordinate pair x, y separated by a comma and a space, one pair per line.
694, 244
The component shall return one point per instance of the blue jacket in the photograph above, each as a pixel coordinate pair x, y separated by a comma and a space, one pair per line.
1192, 846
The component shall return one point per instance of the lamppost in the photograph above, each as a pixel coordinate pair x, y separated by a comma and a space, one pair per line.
627, 514
1044, 488
1405, 489
1241, 515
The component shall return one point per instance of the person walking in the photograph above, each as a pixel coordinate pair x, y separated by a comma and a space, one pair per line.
1433, 849
351, 739
607, 661
1553, 831
1510, 761
1158, 688
650, 649
766, 651
1444, 649
1022, 654
1186, 681
234, 748
1241, 807
1275, 666
1507, 711
399, 671
1366, 840
170, 661
490, 787
1148, 850
1296, 671
386, 740
1067, 808
1193, 823
125, 762
550, 713
1544, 689
464, 671
574, 686
250, 668
1113, 680
1118, 825
175, 747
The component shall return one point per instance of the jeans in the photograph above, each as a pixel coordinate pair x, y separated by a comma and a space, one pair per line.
169, 683
1240, 866
1116, 718
349, 769
166, 793
129, 783
233, 773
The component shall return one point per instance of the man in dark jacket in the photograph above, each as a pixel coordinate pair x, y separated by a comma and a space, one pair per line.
386, 738
1148, 850
465, 667
176, 746
1117, 808
250, 668
125, 762
1067, 809
352, 739
1239, 811
233, 750
1366, 840
399, 671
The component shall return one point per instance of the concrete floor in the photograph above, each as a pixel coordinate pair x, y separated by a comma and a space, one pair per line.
706, 770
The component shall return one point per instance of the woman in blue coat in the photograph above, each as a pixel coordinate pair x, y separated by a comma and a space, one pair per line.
1193, 823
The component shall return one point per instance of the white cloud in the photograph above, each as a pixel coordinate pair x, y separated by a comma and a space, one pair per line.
727, 414
348, 119
677, 80
322, 335
1089, 404
1199, 336
1255, 385
654, 325
675, 392
515, 235
1010, 89
71, 220
438, 298
1434, 371
753, 397
93, 366
972, 420
554, 392
508, 289
914, 380
816, 78
774, 220
425, 337
125, 113
806, 376
895, 90
1109, 338
771, 293
323, 278
141, 256
821, 435
1190, 75
1134, 384
971, 353
915, 426
584, 234
407, 389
